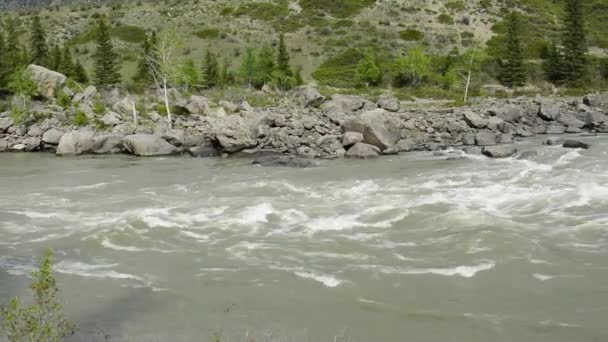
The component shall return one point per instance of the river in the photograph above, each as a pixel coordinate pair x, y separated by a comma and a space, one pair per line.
406, 248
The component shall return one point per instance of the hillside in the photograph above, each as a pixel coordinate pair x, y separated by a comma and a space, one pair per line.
316, 29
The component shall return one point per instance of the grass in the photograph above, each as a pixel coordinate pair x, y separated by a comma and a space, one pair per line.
411, 34
336, 8
338, 71
208, 33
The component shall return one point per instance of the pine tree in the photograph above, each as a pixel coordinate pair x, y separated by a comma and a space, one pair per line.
188, 76
3, 66
55, 58
513, 70
106, 60
66, 66
574, 42
248, 66
80, 75
263, 67
143, 75
283, 57
14, 59
368, 70
39, 51
226, 77
210, 70
553, 64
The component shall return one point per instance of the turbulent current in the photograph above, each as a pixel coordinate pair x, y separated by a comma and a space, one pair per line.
417, 247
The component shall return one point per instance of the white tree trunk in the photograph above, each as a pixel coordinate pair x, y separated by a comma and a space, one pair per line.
135, 119
466, 88
167, 104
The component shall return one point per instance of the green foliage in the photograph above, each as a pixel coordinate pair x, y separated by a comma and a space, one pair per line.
106, 60
248, 63
411, 35
38, 46
413, 69
338, 71
368, 70
208, 33
260, 100
266, 11
66, 65
42, 321
455, 5
99, 108
446, 19
143, 75
283, 57
80, 119
63, 99
22, 84
129, 33
226, 77
263, 67
80, 74
337, 8
54, 58
210, 70
188, 76
575, 43
513, 70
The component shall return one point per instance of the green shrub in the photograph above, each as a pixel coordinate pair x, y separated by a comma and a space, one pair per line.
42, 321
337, 8
445, 19
99, 108
339, 71
63, 99
80, 119
260, 101
455, 6
266, 11
129, 33
208, 33
411, 35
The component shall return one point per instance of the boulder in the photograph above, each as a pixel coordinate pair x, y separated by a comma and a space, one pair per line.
570, 120
52, 136
363, 151
48, 82
346, 104
475, 120
147, 145
228, 106
204, 150
510, 113
4, 145
485, 138
35, 130
111, 119
597, 100
88, 94
549, 110
108, 144
75, 143
375, 127
284, 161
175, 137
308, 96
234, 133
591, 119
390, 103
19, 148
575, 144
351, 138
197, 105
5, 124
503, 151
123, 106
32, 143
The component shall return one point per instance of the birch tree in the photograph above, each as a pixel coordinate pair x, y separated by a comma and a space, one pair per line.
470, 64
162, 62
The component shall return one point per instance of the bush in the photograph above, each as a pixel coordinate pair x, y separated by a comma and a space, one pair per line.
63, 99
411, 35
445, 19
337, 8
455, 5
207, 33
44, 319
129, 33
99, 108
339, 71
80, 119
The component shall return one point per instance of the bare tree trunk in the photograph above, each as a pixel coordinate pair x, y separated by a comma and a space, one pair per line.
135, 119
466, 88
167, 104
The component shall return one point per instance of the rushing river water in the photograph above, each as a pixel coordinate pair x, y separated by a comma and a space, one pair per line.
406, 248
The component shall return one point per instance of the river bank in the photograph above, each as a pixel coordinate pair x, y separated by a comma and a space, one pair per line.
304, 125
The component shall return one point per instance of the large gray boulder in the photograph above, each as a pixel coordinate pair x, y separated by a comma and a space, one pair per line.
175, 137
108, 144
235, 133
5, 124
389, 102
52, 136
48, 82
503, 151
111, 119
475, 120
351, 138
485, 138
87, 95
570, 119
597, 101
308, 96
376, 127
205, 150
124, 106
197, 105
345, 104
147, 145
550, 110
510, 113
75, 143
363, 151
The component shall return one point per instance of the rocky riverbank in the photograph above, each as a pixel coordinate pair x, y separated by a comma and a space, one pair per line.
304, 125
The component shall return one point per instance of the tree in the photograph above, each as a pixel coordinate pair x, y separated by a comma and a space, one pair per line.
248, 66
66, 66
283, 57
14, 58
3, 62
226, 76
39, 52
44, 320
210, 70
467, 66
553, 64
187, 75
105, 59
80, 74
162, 64
512, 68
574, 41
368, 70
263, 67
412, 69
143, 76
23, 85
54, 58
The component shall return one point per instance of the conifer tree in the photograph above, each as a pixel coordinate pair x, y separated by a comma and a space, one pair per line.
553, 64
575, 44
210, 70
187, 76
143, 75
513, 70
66, 66
248, 66
55, 58
263, 67
283, 57
80, 74
3, 60
14, 60
39, 51
105, 59
226, 76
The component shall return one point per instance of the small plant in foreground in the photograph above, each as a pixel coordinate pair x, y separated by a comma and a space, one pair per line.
44, 319
81, 119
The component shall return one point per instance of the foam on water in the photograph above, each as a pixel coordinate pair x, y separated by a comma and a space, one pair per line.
92, 271
327, 280
462, 271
